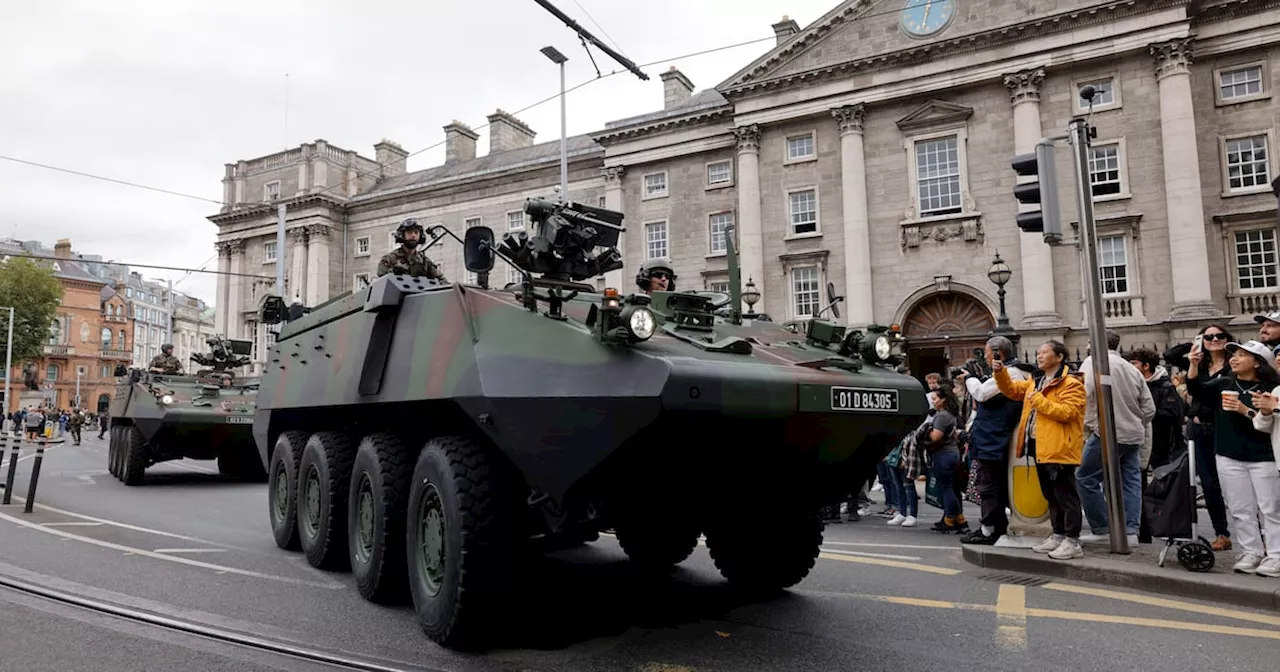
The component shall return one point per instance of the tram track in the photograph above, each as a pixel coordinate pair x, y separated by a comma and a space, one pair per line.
303, 652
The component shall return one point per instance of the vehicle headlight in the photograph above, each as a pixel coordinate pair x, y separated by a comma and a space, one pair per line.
166, 399
641, 323
883, 348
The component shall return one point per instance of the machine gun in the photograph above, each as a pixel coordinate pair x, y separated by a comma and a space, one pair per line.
224, 354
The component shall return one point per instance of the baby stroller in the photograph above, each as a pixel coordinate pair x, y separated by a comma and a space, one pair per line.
1170, 503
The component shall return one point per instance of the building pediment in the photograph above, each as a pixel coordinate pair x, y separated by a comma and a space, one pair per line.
934, 114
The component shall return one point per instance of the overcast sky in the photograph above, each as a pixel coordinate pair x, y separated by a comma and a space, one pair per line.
164, 93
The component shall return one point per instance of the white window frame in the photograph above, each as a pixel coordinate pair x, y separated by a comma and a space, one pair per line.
266, 191
1079, 106
368, 246
391, 240
269, 252
711, 285
467, 222
706, 172
711, 248
524, 221
513, 275
666, 238
1122, 156
645, 195
1233, 266
355, 281
788, 160
817, 213
1265, 186
1129, 264
967, 207
792, 308
1265, 75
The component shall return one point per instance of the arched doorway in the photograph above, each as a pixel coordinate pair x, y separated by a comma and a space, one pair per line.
943, 330
104, 401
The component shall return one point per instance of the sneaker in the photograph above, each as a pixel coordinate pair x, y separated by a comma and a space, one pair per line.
1133, 540
1269, 567
1248, 564
1092, 538
909, 522
877, 487
897, 520
1069, 549
977, 537
1048, 545
1222, 543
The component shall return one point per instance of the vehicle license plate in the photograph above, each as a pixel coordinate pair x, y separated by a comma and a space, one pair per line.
863, 399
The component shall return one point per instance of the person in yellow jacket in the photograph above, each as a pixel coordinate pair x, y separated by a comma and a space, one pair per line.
1052, 431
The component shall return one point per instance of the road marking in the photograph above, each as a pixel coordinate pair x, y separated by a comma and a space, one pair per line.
945, 571
915, 546
125, 526
192, 467
129, 550
75, 523
1166, 603
1011, 617
189, 550
87, 479
872, 555
24, 458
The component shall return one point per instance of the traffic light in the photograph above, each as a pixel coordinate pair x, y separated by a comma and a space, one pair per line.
1042, 192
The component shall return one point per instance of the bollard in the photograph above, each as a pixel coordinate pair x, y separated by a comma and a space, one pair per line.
35, 478
14, 448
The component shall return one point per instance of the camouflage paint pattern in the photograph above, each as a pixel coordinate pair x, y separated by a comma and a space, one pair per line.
200, 423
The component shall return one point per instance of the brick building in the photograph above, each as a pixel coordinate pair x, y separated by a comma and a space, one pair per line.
871, 150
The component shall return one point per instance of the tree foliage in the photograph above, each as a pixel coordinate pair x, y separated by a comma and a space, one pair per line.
33, 292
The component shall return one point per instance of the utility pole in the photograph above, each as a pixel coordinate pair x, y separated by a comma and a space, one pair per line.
168, 322
559, 59
8, 365
280, 217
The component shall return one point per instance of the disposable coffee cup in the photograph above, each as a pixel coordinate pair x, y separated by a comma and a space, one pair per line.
1229, 394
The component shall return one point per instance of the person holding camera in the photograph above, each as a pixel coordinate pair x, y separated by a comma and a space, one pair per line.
990, 434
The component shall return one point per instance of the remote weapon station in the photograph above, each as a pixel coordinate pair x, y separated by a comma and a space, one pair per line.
421, 432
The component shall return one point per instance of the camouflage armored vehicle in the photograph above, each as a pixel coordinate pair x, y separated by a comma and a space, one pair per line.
207, 415
422, 433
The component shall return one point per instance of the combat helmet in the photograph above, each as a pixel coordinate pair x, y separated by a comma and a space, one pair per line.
645, 274
167, 348
405, 226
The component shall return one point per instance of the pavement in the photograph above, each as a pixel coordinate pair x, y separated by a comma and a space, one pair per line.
191, 545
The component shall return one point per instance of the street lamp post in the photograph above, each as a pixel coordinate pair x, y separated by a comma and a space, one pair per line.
8, 364
999, 274
78, 374
559, 59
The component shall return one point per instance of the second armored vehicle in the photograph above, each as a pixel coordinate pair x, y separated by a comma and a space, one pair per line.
158, 417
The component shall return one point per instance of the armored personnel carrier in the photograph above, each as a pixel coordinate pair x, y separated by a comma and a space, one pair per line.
207, 415
423, 433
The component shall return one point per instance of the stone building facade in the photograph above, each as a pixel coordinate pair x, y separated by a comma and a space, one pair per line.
871, 150
193, 323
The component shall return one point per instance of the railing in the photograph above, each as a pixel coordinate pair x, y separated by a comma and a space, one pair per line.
1117, 308
108, 353
1255, 304
59, 350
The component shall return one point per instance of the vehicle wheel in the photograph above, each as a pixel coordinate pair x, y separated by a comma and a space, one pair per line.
113, 447
324, 476
794, 539
133, 462
380, 481
657, 543
459, 542
282, 493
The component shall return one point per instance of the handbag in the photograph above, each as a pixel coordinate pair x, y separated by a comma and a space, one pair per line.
932, 495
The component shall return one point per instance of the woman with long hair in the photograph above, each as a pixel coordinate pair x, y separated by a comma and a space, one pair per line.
1213, 364
941, 442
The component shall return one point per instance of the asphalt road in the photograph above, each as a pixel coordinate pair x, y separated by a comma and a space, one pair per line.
193, 546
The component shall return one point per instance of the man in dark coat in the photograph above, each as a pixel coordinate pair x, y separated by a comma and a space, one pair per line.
1167, 438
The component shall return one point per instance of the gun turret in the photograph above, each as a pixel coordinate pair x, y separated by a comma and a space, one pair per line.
564, 241
224, 354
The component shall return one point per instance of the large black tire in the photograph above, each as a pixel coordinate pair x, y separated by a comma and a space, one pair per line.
324, 476
282, 490
458, 587
768, 552
380, 479
134, 458
113, 448
657, 543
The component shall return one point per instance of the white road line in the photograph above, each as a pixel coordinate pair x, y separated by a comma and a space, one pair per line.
126, 526
79, 523
128, 550
873, 555
194, 468
867, 545
189, 550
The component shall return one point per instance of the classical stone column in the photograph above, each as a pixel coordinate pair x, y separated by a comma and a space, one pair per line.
1039, 310
222, 298
235, 293
857, 222
613, 201
296, 282
750, 225
317, 264
1183, 205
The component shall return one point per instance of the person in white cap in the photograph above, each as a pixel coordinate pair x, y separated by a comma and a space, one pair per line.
1245, 457
1269, 329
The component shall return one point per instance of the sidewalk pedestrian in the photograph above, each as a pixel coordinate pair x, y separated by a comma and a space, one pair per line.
992, 430
1051, 431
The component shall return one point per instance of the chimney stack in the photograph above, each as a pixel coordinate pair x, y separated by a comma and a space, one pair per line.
676, 88
391, 157
459, 142
62, 249
785, 28
506, 132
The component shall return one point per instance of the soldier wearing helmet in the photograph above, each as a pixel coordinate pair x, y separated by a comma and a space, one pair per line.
655, 275
407, 259
165, 362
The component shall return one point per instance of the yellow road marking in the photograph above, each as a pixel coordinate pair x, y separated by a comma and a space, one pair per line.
1156, 623
945, 571
1011, 613
1165, 602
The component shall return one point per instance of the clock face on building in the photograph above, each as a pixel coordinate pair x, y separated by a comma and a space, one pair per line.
922, 18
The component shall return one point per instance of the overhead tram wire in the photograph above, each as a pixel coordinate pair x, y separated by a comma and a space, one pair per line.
604, 32
131, 265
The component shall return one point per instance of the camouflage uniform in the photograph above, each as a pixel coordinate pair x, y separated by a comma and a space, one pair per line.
169, 363
401, 261
75, 423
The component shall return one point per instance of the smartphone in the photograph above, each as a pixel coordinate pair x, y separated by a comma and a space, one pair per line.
1198, 342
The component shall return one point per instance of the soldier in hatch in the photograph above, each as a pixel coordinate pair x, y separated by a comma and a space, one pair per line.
406, 259
656, 275
165, 362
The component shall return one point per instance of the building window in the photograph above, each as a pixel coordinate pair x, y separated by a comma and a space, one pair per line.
805, 293
655, 240
84, 332
123, 339
106, 338
514, 277
1256, 259
718, 287
1241, 83
717, 224
1106, 95
471, 223
719, 174
360, 281
801, 148
655, 185
268, 252
363, 248
803, 208
1113, 265
1247, 163
55, 332
271, 191
515, 220
1107, 174
603, 202
938, 176
52, 372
